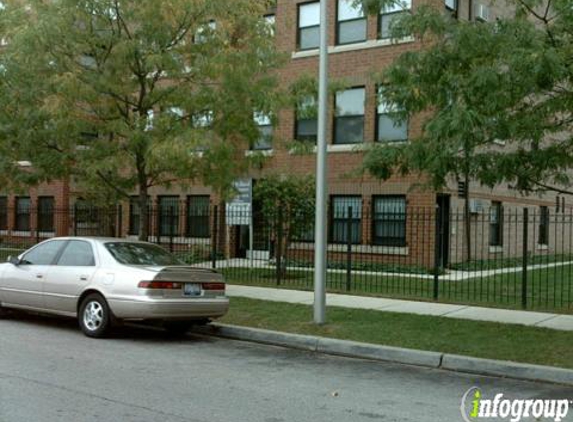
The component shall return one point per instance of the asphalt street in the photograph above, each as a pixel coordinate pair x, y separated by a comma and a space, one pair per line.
50, 372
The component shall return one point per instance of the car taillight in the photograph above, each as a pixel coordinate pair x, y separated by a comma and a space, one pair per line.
166, 285
213, 286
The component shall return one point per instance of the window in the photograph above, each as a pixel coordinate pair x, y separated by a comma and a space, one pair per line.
389, 14
23, 206
340, 219
543, 226
198, 223
389, 220
351, 23
495, 224
388, 128
349, 116
263, 121
77, 254
451, 4
204, 32
3, 213
203, 120
308, 26
270, 24
135, 215
46, 214
306, 122
168, 215
141, 254
44, 253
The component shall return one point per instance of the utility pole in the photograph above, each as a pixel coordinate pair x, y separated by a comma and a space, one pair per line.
320, 246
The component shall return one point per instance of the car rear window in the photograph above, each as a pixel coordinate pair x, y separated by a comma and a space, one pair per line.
140, 254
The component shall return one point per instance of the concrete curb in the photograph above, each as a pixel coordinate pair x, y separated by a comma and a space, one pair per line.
436, 360
507, 369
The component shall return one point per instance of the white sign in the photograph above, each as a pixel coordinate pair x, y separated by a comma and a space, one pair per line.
238, 210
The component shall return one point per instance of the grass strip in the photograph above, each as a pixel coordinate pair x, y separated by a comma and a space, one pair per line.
488, 340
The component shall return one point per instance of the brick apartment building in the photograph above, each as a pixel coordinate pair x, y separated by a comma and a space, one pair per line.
359, 47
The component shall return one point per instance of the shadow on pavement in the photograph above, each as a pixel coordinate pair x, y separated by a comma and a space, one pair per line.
127, 331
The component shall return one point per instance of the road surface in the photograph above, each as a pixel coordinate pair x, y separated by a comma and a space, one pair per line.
50, 372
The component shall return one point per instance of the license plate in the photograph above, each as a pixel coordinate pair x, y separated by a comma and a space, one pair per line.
192, 289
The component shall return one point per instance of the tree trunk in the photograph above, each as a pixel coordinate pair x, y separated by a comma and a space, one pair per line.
467, 220
143, 210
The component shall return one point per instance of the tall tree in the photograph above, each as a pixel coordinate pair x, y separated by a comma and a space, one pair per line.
127, 95
495, 98
287, 205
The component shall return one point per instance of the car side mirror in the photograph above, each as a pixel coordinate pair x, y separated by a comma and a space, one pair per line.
14, 260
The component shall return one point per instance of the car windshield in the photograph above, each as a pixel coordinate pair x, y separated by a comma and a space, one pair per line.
140, 254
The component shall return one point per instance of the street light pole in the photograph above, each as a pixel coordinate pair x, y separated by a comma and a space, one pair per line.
321, 172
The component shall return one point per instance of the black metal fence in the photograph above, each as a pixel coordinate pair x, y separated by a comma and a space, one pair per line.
512, 258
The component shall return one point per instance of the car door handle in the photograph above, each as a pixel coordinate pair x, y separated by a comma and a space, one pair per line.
39, 276
84, 278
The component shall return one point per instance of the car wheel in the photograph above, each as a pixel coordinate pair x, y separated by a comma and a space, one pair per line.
3, 312
177, 328
94, 316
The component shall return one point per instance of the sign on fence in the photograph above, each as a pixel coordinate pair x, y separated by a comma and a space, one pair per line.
240, 207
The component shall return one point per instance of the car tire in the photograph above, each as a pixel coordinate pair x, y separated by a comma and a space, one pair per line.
3, 312
94, 316
177, 328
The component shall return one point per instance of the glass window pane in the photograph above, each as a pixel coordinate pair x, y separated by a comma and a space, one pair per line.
390, 205
397, 6
202, 120
309, 38
307, 129
347, 11
451, 4
43, 254
168, 216
309, 15
198, 224
391, 130
350, 102
386, 22
340, 206
46, 214
265, 140
352, 31
77, 254
349, 130
141, 254
262, 119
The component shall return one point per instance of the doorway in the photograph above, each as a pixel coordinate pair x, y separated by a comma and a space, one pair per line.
443, 221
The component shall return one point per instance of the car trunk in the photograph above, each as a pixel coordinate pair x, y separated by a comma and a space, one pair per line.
188, 282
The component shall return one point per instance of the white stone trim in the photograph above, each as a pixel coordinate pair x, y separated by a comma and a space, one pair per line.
368, 44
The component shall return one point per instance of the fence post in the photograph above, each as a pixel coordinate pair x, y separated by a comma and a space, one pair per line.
349, 250
37, 222
119, 221
437, 250
525, 257
171, 227
215, 237
278, 248
74, 210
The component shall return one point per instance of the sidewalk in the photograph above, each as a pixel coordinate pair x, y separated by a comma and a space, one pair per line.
536, 319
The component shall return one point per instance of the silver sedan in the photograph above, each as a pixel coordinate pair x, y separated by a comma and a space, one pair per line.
101, 281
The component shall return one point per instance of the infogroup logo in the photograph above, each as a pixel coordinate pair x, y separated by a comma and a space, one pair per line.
476, 407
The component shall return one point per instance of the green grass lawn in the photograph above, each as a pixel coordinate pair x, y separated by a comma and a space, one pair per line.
548, 289
479, 339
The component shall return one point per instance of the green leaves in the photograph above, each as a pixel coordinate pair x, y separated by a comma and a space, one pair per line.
478, 86
120, 68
